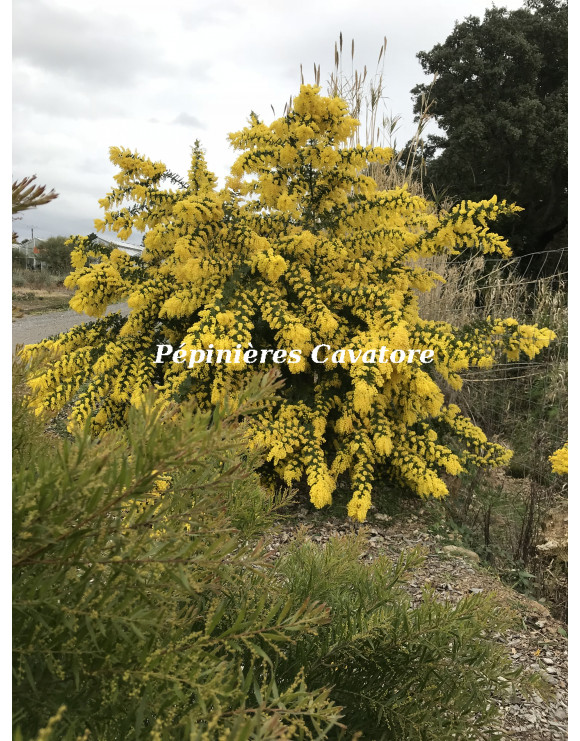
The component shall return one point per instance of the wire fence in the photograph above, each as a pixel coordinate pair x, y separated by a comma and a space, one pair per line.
517, 518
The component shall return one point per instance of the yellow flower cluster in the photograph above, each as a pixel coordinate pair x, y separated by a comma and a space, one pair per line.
299, 249
151, 504
559, 460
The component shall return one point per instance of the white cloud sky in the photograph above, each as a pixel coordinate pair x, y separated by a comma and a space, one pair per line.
155, 77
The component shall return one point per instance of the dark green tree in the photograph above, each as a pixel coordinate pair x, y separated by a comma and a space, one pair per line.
56, 254
500, 99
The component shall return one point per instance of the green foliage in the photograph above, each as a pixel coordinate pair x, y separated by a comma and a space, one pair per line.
148, 617
400, 672
28, 439
501, 97
141, 612
27, 195
55, 252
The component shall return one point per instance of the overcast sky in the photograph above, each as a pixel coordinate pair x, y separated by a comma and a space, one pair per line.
156, 76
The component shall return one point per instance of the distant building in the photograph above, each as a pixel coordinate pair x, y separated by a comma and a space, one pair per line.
134, 250
26, 254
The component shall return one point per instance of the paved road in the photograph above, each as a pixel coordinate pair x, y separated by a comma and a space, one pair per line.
36, 327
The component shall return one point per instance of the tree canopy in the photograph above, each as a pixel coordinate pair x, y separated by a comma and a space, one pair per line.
56, 253
500, 99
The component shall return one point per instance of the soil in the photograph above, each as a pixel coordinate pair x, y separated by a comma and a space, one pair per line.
38, 300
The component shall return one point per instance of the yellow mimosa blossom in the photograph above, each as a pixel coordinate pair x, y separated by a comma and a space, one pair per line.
299, 250
559, 460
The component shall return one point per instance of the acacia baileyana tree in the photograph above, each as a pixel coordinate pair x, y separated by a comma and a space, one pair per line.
300, 248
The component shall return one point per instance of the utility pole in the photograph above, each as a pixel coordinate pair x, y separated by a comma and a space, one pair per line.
33, 246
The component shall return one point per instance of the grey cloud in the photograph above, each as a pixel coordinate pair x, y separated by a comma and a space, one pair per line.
185, 119
211, 13
38, 91
97, 50
87, 74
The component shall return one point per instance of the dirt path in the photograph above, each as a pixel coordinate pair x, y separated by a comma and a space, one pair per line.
37, 327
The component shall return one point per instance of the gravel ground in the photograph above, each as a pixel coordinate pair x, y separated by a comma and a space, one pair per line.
539, 643
37, 327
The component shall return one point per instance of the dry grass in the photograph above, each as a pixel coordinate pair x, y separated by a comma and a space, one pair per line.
365, 94
523, 404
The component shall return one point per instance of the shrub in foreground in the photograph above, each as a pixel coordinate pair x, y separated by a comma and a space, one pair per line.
141, 612
145, 614
429, 672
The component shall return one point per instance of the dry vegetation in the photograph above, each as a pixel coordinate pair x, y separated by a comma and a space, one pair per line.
517, 519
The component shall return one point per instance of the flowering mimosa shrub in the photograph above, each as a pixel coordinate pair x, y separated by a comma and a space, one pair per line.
299, 249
